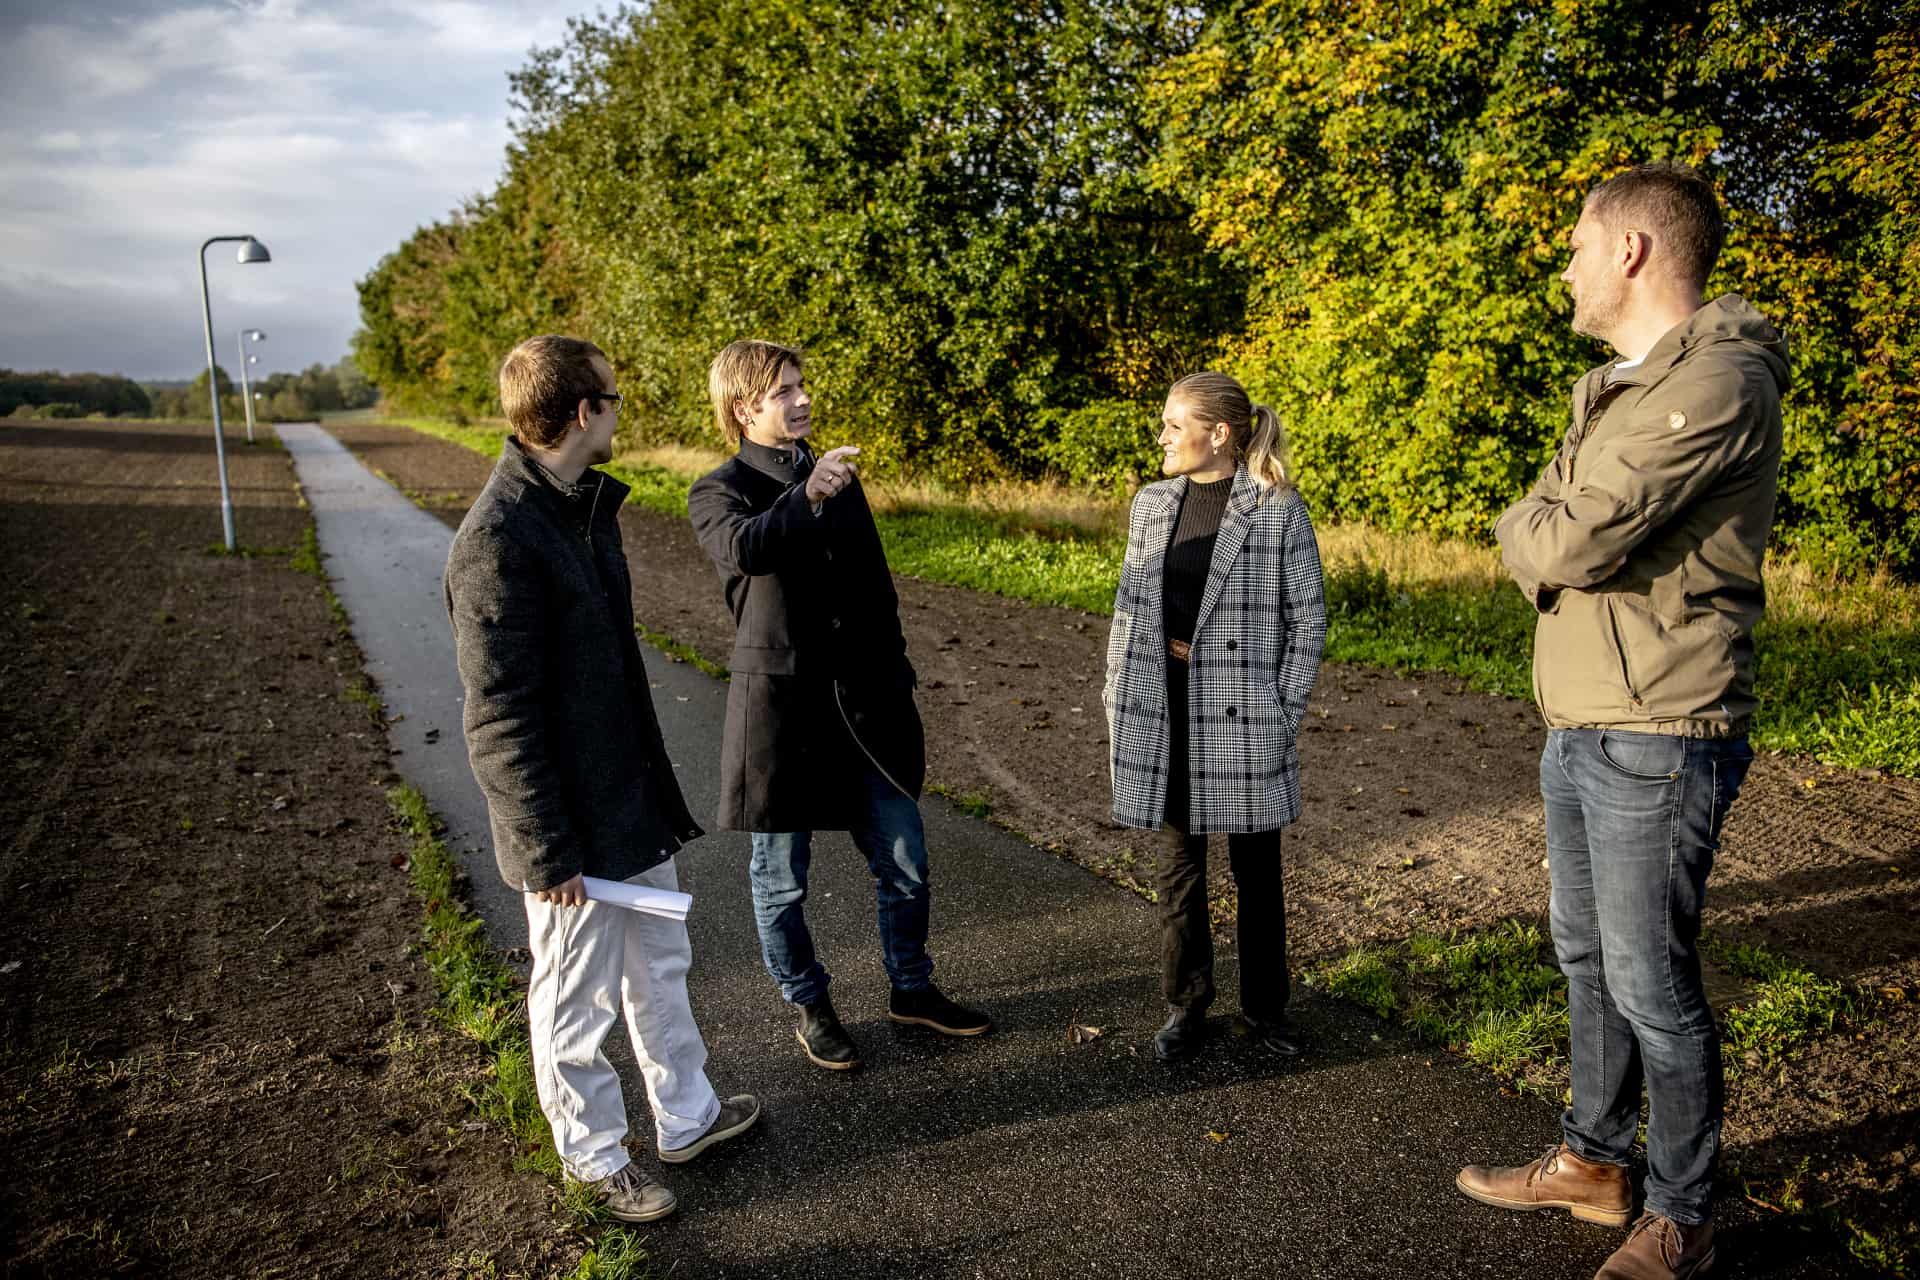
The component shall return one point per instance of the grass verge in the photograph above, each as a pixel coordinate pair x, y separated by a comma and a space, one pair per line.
1789, 1004
480, 998
1838, 670
1496, 997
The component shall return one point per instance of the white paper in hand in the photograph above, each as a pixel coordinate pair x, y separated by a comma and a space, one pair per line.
638, 897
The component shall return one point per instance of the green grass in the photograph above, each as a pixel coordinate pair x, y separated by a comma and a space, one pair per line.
1789, 1004
679, 651
1494, 996
1839, 661
361, 694
480, 998
1497, 997
975, 804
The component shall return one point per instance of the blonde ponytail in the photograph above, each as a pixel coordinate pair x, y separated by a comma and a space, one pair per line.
1258, 439
1266, 450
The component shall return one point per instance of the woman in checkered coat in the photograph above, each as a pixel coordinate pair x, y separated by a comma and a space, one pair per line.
1217, 630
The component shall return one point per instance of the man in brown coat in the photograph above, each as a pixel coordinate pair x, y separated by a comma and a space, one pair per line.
1641, 546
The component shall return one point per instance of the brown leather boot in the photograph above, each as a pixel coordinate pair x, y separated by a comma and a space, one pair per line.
1557, 1180
1661, 1249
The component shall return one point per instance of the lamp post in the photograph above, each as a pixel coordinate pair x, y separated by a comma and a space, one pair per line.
251, 250
246, 394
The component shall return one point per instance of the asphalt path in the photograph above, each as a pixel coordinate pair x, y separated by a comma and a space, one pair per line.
1022, 1153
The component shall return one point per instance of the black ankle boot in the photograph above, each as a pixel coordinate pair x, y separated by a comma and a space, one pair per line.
927, 1007
1270, 1034
1186, 1031
825, 1040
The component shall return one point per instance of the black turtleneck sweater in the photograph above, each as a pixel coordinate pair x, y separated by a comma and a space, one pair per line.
1190, 556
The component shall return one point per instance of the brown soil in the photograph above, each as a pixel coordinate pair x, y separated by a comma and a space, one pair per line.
217, 1055
1422, 813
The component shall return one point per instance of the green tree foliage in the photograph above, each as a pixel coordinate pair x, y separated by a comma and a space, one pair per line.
1002, 227
439, 312
947, 207
282, 396
316, 389
108, 394
198, 387
1398, 178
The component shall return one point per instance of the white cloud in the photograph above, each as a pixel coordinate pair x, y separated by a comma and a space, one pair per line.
133, 134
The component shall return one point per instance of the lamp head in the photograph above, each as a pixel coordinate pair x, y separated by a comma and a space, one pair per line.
252, 250
256, 335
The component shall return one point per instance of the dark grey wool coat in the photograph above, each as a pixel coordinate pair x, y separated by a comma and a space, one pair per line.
820, 677
1256, 651
560, 727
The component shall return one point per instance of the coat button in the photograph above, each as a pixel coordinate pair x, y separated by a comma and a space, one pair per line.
836, 624
1233, 644
1230, 713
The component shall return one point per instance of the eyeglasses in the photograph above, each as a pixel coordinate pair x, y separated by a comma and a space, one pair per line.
615, 396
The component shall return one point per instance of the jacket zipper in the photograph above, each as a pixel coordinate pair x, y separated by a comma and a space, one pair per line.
594, 510
855, 735
1620, 651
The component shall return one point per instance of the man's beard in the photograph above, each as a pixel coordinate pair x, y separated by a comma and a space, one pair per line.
1596, 312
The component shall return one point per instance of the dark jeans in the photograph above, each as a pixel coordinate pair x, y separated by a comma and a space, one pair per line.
1633, 820
1186, 932
889, 833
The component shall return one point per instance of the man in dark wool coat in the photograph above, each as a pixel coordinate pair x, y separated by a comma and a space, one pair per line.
564, 743
822, 733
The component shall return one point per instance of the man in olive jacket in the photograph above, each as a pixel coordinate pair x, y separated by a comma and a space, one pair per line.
564, 743
1641, 547
821, 730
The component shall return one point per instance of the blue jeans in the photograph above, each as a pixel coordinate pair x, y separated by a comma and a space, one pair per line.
1633, 820
889, 833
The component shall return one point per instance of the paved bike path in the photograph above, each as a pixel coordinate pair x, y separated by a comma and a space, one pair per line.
1020, 1154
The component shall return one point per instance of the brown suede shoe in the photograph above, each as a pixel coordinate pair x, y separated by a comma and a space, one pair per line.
1557, 1180
1661, 1249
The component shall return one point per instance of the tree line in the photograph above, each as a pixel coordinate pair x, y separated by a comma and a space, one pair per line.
71, 395
281, 396
1002, 227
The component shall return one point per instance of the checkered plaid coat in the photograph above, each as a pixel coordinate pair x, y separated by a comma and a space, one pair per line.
1256, 650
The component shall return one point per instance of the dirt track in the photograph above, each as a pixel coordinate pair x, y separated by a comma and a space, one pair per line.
1818, 863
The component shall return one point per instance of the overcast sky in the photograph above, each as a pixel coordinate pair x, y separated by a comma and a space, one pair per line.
135, 129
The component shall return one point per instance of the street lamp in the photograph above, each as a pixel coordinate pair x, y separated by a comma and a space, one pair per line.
246, 396
251, 250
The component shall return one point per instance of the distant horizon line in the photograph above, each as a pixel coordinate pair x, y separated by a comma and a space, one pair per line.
168, 383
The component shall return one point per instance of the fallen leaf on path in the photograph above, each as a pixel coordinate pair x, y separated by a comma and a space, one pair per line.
1218, 1135
1078, 1034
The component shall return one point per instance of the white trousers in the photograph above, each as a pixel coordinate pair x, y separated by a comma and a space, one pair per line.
588, 962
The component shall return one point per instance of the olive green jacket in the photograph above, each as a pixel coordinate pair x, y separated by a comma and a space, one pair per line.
1640, 545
